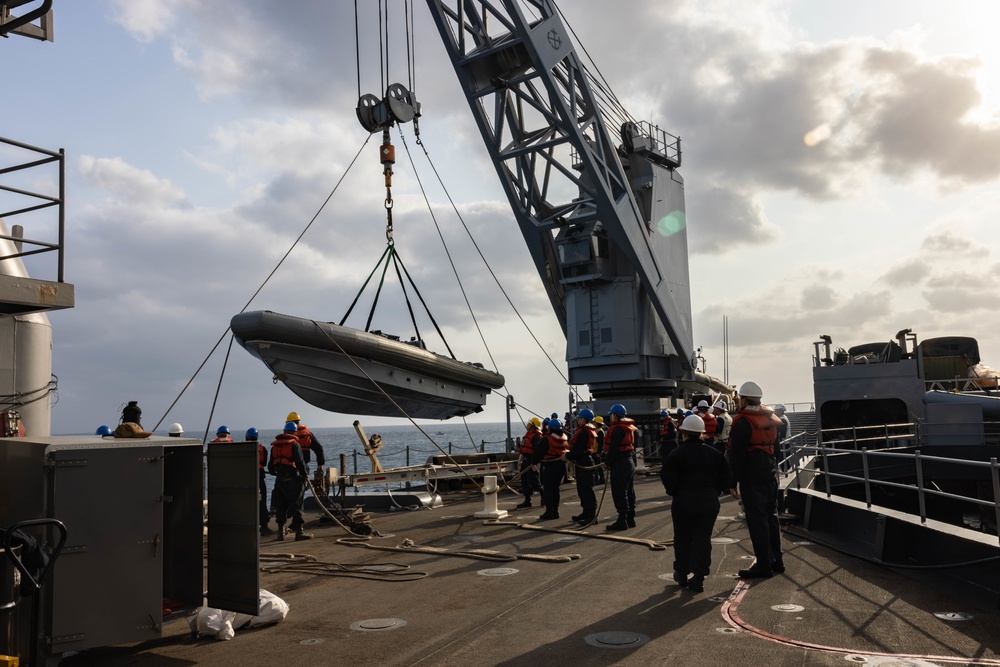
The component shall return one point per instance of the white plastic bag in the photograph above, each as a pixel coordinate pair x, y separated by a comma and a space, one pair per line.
220, 624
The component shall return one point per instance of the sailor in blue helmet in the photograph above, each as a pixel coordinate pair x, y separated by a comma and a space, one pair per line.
666, 435
548, 455
289, 469
580, 453
619, 457
222, 434
263, 517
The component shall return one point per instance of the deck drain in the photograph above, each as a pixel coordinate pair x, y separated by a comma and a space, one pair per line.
616, 639
306, 642
724, 540
728, 630
569, 539
788, 607
498, 571
953, 616
467, 538
858, 659
378, 624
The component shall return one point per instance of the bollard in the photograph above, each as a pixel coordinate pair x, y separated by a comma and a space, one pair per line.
490, 510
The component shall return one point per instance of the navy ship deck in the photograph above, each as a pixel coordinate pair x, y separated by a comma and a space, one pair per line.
615, 604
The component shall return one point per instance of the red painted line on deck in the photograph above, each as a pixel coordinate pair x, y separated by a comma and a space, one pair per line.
730, 612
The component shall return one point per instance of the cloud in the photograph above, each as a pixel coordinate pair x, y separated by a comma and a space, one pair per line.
145, 20
911, 271
128, 183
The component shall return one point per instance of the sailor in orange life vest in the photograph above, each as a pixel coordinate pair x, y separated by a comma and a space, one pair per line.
667, 439
580, 454
704, 411
549, 455
222, 434
263, 516
694, 474
289, 469
529, 475
308, 443
619, 457
752, 444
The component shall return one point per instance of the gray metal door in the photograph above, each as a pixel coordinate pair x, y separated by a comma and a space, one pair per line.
233, 528
107, 585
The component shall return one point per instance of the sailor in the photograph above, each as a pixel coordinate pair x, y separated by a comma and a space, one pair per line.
711, 425
619, 457
262, 516
289, 468
175, 430
694, 475
598, 451
752, 443
667, 434
725, 424
784, 431
549, 455
545, 425
309, 444
222, 434
131, 413
580, 453
529, 475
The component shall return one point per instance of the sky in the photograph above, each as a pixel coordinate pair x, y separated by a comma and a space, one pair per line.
841, 163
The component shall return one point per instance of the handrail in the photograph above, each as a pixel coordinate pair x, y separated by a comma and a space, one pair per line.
919, 459
46, 201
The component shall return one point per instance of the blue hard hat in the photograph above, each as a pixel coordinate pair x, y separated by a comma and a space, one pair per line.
545, 422
554, 415
104, 429
688, 413
555, 424
663, 413
222, 429
586, 414
251, 433
617, 409
680, 411
291, 426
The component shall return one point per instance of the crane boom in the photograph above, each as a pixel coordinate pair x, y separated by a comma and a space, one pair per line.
602, 214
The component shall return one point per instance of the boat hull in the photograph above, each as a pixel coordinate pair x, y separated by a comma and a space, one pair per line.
344, 370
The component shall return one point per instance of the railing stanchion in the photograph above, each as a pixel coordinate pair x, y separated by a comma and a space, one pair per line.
826, 471
868, 486
995, 470
920, 486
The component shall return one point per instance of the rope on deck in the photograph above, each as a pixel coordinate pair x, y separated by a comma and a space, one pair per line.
479, 554
652, 544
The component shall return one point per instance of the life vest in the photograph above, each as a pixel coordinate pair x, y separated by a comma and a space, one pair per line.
628, 440
282, 450
304, 436
261, 456
558, 445
526, 447
226, 439
589, 434
763, 428
667, 427
727, 427
598, 444
711, 425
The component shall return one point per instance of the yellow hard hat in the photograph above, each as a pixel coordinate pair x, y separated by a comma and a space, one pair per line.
292, 417
598, 419
536, 422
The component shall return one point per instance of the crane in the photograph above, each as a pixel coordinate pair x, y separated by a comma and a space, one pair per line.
601, 210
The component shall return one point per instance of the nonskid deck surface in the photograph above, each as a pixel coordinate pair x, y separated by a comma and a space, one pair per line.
613, 605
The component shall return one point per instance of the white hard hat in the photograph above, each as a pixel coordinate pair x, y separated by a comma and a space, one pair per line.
175, 429
693, 424
751, 390
721, 405
780, 406
702, 404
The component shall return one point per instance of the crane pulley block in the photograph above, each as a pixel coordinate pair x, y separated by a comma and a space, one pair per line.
398, 105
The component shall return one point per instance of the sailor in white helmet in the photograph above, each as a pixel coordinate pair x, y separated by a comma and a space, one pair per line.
175, 430
752, 443
725, 424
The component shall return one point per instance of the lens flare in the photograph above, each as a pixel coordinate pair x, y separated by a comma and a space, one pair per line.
671, 224
817, 135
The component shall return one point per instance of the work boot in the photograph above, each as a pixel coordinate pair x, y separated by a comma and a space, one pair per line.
523, 505
620, 524
680, 577
299, 536
586, 519
630, 519
548, 515
696, 584
778, 566
281, 533
755, 573
577, 517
